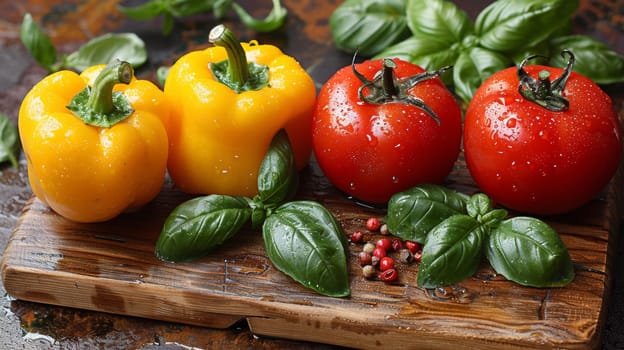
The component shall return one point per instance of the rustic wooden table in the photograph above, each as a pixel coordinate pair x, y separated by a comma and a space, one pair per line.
306, 35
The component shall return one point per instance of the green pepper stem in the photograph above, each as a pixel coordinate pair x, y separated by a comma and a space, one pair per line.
101, 96
238, 68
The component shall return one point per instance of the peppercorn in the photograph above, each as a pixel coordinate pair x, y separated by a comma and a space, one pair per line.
364, 258
384, 230
406, 256
357, 236
386, 263
397, 245
379, 252
384, 243
368, 271
369, 247
373, 224
389, 275
412, 246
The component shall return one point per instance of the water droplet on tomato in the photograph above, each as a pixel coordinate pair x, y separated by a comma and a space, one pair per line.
395, 179
511, 122
352, 185
514, 188
372, 140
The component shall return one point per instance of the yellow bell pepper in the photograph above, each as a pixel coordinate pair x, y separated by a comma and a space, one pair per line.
228, 102
96, 143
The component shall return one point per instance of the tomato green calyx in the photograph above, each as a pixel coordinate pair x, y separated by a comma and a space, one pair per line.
100, 105
546, 93
386, 87
235, 72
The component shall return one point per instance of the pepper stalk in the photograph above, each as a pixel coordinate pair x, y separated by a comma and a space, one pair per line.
236, 72
100, 105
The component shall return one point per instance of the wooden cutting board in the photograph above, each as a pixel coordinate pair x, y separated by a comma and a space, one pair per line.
111, 267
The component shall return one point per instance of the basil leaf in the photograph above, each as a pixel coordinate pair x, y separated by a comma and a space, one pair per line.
161, 74
594, 59
368, 26
273, 21
220, 7
183, 8
478, 205
529, 252
277, 178
511, 25
305, 241
413, 213
38, 43
107, 48
428, 54
197, 226
438, 20
9, 141
451, 253
473, 67
144, 11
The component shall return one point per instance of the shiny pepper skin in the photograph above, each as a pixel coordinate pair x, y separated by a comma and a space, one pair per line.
219, 137
90, 173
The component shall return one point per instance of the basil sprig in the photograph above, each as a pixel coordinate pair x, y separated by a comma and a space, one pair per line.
172, 9
302, 238
442, 34
523, 249
103, 49
368, 26
9, 141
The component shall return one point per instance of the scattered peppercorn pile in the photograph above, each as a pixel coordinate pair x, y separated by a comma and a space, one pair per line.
378, 258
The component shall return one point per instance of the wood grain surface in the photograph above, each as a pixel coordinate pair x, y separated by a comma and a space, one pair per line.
111, 267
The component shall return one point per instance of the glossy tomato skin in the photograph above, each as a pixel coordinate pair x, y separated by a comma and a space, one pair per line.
373, 151
536, 161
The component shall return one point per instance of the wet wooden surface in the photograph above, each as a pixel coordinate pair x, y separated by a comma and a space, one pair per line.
307, 37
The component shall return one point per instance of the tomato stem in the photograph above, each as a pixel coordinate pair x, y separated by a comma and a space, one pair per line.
385, 87
543, 91
389, 87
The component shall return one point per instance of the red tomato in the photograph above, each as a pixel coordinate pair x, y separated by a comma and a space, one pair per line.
372, 150
534, 160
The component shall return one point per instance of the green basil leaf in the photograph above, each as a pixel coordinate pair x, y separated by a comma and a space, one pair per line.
368, 26
511, 25
197, 226
273, 21
451, 253
594, 59
428, 54
278, 176
144, 11
413, 213
38, 43
479, 204
107, 48
161, 74
529, 252
184, 8
220, 7
9, 141
304, 241
473, 67
438, 20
